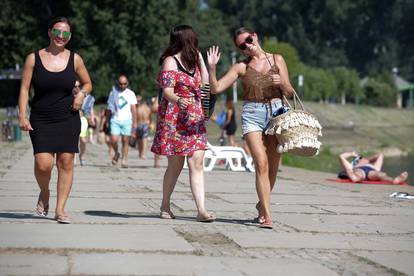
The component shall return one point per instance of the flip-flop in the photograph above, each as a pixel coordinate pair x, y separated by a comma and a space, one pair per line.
115, 158
167, 215
259, 220
42, 211
266, 224
64, 219
209, 218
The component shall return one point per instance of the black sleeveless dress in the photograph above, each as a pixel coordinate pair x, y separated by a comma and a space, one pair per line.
56, 127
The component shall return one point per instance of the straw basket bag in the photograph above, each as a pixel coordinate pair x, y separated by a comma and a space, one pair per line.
297, 130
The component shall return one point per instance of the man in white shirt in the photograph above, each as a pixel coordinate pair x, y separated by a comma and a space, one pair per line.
122, 103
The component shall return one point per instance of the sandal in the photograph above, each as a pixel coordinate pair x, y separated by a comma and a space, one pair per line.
64, 219
167, 215
41, 209
266, 224
208, 218
115, 158
259, 220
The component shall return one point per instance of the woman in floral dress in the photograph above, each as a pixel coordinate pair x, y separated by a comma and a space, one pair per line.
181, 130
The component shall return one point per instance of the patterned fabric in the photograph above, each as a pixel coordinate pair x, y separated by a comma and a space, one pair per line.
180, 132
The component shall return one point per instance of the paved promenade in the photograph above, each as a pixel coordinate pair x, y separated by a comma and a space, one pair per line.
320, 228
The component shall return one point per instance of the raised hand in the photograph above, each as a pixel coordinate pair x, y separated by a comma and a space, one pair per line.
213, 55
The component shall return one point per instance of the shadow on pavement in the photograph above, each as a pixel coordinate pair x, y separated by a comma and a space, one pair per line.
102, 213
22, 216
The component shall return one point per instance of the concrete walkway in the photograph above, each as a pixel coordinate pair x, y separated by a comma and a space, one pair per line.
320, 228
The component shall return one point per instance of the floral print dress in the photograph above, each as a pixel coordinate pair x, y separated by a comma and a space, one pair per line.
180, 131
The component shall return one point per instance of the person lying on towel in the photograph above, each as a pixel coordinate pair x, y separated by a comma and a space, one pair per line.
366, 168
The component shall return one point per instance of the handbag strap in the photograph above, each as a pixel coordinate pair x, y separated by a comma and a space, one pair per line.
295, 99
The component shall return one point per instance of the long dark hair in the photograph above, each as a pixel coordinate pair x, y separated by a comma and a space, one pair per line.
184, 39
60, 19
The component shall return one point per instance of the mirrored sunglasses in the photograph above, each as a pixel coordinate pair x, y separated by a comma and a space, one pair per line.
57, 33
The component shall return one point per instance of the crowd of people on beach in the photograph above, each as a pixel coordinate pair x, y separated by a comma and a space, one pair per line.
63, 120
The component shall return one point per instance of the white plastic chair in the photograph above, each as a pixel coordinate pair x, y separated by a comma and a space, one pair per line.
229, 154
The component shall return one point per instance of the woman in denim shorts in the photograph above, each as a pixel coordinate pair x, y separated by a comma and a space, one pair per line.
265, 80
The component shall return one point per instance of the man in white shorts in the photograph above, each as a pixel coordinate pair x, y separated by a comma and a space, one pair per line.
122, 104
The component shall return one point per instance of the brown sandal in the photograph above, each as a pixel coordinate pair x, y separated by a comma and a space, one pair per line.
167, 215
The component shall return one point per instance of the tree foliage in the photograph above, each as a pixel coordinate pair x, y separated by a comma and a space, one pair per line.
330, 42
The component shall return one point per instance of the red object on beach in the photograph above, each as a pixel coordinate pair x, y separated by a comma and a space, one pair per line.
338, 180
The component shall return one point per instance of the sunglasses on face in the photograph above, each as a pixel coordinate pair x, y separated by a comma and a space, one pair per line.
57, 33
123, 83
248, 40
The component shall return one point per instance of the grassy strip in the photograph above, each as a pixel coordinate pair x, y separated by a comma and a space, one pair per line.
325, 161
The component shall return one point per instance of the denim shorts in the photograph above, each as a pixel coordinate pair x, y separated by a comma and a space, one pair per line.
256, 116
121, 127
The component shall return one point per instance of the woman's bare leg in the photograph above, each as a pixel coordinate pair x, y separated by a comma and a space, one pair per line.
256, 144
175, 165
43, 166
195, 165
64, 163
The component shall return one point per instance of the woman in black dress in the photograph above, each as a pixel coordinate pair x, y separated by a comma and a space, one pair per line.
54, 123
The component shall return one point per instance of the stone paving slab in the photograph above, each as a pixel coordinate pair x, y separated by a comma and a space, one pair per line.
398, 261
321, 241
128, 264
33, 264
347, 223
106, 237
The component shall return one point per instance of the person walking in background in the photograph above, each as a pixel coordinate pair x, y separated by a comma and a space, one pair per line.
153, 124
230, 125
54, 124
181, 130
366, 168
122, 104
87, 116
89, 113
83, 138
265, 79
143, 123
104, 135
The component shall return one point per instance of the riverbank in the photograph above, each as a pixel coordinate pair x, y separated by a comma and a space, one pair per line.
361, 128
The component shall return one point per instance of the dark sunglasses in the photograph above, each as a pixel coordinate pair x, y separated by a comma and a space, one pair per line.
248, 40
123, 83
57, 33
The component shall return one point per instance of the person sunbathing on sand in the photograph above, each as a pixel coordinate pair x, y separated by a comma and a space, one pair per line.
366, 168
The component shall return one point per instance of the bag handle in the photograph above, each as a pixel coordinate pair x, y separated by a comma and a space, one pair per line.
295, 98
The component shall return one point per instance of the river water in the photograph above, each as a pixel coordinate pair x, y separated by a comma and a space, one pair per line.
395, 165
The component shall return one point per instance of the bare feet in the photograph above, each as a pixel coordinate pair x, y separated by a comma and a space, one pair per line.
401, 178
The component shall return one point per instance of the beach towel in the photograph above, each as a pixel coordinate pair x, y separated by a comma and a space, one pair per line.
338, 180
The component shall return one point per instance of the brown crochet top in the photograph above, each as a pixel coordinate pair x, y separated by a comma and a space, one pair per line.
258, 87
